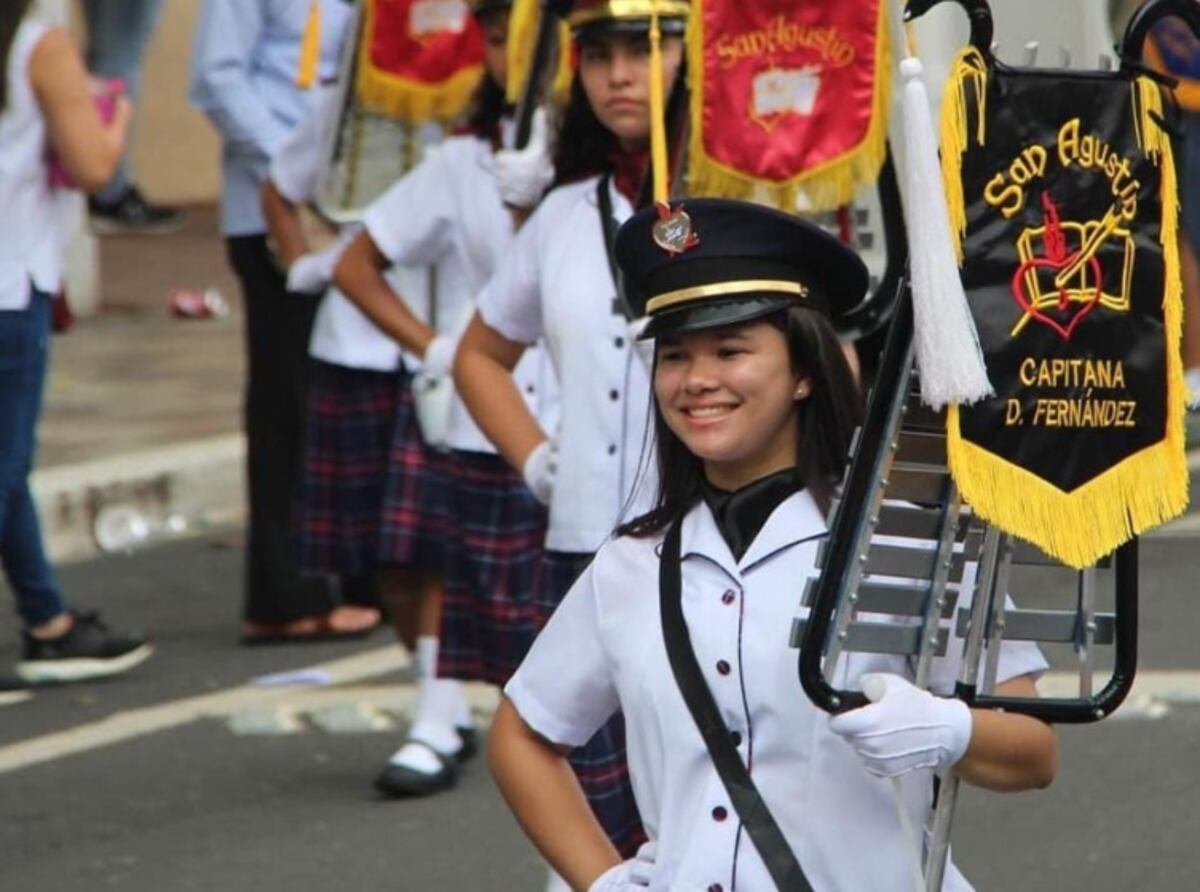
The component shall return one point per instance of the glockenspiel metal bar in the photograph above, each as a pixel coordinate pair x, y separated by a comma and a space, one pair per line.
1045, 626
916, 483
880, 638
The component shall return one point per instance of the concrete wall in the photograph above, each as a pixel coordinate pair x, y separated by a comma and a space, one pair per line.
175, 151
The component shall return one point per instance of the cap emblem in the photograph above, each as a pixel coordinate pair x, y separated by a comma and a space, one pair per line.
673, 232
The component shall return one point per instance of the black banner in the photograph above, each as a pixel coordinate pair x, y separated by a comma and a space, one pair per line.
1071, 272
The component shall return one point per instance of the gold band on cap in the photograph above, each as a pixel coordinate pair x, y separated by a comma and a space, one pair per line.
745, 286
628, 9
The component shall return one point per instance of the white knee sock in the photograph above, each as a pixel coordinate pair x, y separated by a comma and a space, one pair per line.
427, 656
440, 702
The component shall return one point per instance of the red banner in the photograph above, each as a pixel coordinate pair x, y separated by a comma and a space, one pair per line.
787, 96
419, 59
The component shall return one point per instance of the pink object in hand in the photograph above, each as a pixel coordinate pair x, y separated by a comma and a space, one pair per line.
105, 93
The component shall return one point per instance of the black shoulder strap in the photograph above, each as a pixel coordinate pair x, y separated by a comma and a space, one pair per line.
608, 224
764, 832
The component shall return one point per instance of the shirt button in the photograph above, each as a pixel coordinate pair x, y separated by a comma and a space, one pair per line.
614, 395
719, 813
619, 343
529, 389
612, 450
723, 667
716, 887
736, 737
728, 597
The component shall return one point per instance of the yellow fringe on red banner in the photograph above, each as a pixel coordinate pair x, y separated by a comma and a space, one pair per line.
383, 93
826, 186
1143, 491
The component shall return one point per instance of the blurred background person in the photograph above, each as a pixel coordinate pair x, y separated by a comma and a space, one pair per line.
118, 32
254, 66
1174, 50
47, 111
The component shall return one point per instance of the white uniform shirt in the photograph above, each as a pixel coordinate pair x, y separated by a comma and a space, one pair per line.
245, 60
341, 334
447, 213
31, 249
603, 650
557, 284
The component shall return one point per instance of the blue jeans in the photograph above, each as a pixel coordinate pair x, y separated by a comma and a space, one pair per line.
24, 350
118, 33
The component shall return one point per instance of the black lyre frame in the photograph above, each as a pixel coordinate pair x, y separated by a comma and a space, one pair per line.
552, 12
851, 521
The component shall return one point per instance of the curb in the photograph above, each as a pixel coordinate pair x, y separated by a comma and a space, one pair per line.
174, 490
190, 487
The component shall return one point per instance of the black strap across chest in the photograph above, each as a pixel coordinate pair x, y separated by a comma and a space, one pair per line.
768, 839
608, 224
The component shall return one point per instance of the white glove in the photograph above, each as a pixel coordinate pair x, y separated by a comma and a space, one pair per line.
538, 472
522, 175
439, 356
311, 273
632, 874
643, 348
906, 729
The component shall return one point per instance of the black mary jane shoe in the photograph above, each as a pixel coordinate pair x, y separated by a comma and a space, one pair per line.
470, 745
400, 782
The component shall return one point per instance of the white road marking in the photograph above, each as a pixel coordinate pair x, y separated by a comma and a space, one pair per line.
354, 717
7, 698
264, 720
357, 709
279, 709
135, 723
1154, 692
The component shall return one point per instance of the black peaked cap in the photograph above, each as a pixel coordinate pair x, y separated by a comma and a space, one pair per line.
714, 261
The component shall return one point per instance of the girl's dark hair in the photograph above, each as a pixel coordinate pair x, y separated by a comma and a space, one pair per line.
585, 146
825, 422
487, 109
12, 12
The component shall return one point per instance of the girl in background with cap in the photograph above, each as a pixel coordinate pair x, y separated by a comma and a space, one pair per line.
457, 512
559, 283
754, 409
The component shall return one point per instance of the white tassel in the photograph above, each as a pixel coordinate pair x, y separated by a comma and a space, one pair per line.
949, 359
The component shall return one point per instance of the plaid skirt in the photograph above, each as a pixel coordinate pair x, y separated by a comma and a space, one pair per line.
600, 763
417, 521
488, 620
348, 432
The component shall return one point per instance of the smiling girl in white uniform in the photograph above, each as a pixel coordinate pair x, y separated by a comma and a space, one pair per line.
558, 283
453, 212
754, 409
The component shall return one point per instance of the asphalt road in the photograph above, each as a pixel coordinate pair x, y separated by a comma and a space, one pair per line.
181, 777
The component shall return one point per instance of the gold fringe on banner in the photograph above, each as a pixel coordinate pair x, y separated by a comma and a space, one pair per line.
383, 93
968, 67
826, 186
1145, 490
523, 23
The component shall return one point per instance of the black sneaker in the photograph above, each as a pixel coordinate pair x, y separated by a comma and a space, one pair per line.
89, 650
131, 214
